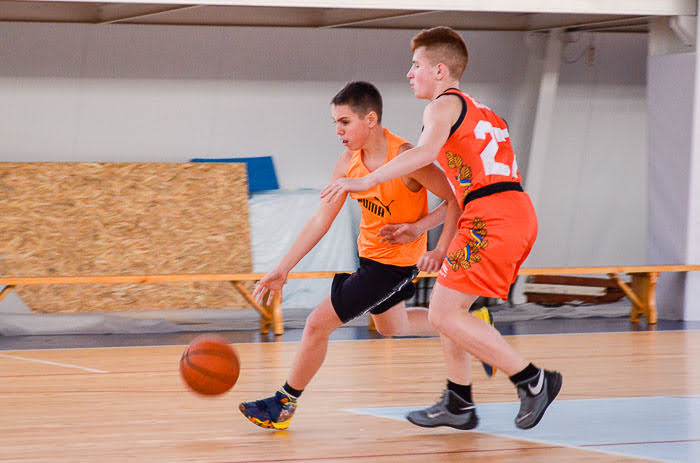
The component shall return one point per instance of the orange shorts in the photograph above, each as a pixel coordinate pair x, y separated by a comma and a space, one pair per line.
494, 237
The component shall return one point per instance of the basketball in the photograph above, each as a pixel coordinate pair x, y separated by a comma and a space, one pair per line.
209, 365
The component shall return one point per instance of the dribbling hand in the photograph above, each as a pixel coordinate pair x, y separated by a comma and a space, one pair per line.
270, 284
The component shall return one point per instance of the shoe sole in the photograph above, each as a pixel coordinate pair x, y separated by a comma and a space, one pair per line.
267, 424
471, 424
485, 315
553, 388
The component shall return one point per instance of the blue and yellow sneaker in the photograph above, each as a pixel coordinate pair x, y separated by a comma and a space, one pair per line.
274, 412
484, 314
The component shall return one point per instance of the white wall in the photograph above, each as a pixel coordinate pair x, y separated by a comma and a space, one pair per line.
154, 93
135, 93
592, 209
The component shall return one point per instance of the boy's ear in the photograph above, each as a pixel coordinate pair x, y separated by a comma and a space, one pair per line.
372, 118
440, 71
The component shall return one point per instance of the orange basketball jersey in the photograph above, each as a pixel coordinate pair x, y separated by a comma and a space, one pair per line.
386, 203
478, 151
497, 230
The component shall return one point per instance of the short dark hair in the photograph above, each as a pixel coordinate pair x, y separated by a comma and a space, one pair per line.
362, 97
443, 44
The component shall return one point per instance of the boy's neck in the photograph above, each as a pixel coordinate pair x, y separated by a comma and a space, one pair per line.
376, 145
443, 86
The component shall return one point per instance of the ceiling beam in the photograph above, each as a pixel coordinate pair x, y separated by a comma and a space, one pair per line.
375, 19
115, 13
621, 7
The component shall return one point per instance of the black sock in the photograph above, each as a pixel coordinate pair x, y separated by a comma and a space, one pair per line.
529, 372
290, 391
463, 392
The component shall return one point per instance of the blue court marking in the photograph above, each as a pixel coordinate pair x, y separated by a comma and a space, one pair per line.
665, 429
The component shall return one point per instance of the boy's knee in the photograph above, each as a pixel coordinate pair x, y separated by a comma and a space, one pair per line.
317, 325
439, 319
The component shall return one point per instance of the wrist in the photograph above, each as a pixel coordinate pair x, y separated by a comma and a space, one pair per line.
282, 269
442, 250
372, 179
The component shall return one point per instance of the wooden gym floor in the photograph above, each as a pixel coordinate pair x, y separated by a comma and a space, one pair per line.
629, 394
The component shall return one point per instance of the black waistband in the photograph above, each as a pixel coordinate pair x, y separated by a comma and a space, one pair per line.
491, 190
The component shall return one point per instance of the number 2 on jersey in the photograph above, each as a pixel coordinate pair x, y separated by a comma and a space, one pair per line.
488, 155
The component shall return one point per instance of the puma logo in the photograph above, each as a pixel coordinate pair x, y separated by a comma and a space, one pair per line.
386, 206
378, 209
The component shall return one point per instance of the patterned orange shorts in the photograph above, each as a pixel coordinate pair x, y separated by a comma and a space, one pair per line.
494, 237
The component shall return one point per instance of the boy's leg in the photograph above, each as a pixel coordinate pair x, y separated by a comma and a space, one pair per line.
277, 411
449, 314
314, 343
485, 314
456, 406
404, 321
413, 321
536, 388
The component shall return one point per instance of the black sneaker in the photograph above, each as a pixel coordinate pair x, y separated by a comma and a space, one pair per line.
535, 396
439, 415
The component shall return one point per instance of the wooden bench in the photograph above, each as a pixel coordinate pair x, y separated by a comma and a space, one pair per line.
641, 291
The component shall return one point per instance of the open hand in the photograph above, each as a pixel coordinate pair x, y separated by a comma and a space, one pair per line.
342, 186
270, 284
398, 233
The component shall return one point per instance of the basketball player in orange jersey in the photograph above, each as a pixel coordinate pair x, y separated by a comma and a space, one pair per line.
496, 229
384, 279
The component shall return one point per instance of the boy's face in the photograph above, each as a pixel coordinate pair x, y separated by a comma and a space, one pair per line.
421, 75
352, 128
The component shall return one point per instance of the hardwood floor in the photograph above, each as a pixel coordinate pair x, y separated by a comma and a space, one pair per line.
129, 403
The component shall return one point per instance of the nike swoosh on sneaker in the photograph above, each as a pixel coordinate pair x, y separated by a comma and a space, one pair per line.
538, 387
466, 409
436, 414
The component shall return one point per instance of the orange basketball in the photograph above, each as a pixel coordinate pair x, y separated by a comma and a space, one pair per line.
209, 365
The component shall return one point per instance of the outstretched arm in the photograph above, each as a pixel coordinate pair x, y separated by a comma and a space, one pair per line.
437, 121
312, 232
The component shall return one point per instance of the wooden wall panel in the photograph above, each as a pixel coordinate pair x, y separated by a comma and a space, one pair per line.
124, 218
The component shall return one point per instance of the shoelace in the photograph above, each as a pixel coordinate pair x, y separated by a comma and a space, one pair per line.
262, 404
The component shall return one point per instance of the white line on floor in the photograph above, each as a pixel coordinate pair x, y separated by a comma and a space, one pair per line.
67, 365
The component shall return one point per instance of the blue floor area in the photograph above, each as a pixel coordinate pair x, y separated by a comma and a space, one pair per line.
665, 429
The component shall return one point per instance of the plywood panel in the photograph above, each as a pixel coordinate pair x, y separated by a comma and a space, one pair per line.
121, 219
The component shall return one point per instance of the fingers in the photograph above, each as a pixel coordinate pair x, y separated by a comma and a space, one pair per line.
330, 191
387, 234
271, 296
259, 293
429, 262
387, 230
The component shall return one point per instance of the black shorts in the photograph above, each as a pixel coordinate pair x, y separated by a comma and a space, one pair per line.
374, 287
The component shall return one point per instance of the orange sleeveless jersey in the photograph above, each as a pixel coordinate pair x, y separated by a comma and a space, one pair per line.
386, 203
478, 152
495, 233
